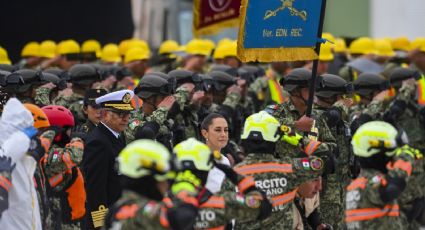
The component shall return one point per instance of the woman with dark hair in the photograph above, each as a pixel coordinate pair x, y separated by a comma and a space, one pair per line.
215, 131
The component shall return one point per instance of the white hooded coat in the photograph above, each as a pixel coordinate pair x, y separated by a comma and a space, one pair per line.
23, 212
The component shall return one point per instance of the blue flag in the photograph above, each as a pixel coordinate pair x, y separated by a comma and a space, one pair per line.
278, 30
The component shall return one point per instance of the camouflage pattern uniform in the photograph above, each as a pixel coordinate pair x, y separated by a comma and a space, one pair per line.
133, 211
365, 208
139, 118
186, 122
58, 165
278, 179
221, 208
74, 103
333, 195
410, 122
287, 114
42, 96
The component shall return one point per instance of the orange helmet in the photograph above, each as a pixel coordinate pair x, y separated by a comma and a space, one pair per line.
40, 118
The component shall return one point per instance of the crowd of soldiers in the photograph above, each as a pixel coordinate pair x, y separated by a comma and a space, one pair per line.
189, 137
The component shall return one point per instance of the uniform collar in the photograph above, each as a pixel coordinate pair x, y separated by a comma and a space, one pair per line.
116, 134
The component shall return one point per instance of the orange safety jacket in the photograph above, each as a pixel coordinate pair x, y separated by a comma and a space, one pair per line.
363, 214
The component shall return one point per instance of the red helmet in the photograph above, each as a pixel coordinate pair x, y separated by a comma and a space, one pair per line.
59, 116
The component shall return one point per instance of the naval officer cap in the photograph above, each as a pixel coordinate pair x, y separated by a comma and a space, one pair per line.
117, 101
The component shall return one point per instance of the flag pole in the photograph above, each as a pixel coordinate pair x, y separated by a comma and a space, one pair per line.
315, 62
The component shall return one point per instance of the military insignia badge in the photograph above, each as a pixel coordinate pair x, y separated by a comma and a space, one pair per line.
316, 164
240, 198
252, 202
126, 98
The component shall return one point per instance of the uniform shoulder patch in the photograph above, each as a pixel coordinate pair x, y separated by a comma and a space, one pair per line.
252, 201
134, 124
312, 163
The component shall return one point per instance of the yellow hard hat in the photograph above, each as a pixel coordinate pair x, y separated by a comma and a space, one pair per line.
123, 46
417, 43
372, 133
230, 49
144, 157
340, 45
224, 41
168, 47
210, 44
193, 155
363, 45
221, 46
326, 52
262, 127
197, 47
383, 48
135, 42
110, 53
31, 49
48, 49
135, 54
92, 46
68, 47
330, 39
401, 43
4, 58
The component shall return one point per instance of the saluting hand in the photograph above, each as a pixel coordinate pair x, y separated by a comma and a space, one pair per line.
167, 103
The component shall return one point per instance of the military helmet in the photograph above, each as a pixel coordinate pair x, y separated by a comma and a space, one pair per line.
120, 72
185, 76
151, 85
254, 70
102, 69
91, 50
192, 154
4, 57
225, 68
83, 74
46, 77
3, 75
332, 85
168, 47
62, 74
367, 83
12, 83
400, 74
222, 80
261, 127
48, 49
7, 67
30, 77
297, 78
40, 118
374, 136
143, 158
207, 82
111, 53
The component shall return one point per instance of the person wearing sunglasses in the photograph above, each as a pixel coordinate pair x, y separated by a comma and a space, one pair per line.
102, 147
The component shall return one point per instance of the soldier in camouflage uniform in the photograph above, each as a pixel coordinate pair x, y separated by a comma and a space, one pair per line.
188, 95
277, 178
386, 163
406, 113
194, 161
371, 89
65, 183
91, 110
82, 77
291, 113
332, 197
144, 165
150, 122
